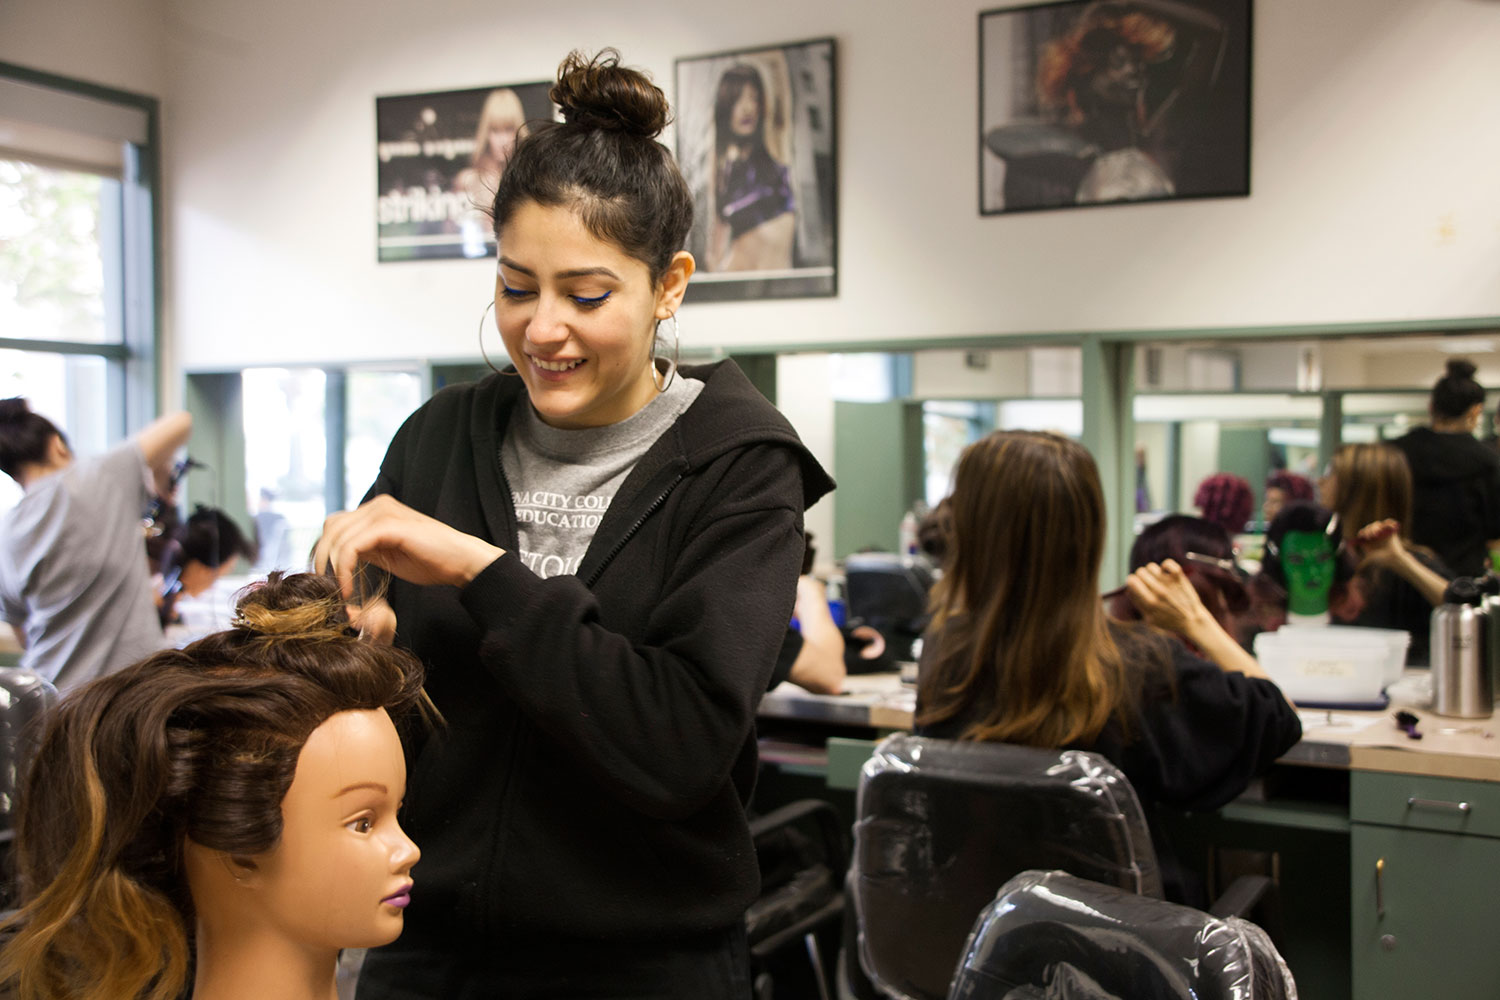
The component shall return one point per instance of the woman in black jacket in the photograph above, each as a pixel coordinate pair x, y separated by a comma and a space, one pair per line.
596, 555
1456, 504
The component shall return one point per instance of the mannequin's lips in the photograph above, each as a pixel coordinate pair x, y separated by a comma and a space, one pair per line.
401, 898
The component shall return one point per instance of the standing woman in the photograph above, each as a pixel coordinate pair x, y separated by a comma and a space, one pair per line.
1456, 505
596, 556
74, 582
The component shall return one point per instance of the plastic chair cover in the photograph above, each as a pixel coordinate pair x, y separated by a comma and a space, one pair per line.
1051, 935
24, 697
942, 824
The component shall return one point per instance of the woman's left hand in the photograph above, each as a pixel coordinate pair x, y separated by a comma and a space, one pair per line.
386, 533
1165, 597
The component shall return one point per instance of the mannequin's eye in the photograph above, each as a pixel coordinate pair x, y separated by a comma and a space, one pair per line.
362, 824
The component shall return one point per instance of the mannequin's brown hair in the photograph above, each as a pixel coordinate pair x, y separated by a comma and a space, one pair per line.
200, 742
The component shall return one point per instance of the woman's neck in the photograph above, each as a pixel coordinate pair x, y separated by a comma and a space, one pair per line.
260, 964
1452, 425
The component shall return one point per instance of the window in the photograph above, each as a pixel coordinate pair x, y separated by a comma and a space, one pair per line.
77, 256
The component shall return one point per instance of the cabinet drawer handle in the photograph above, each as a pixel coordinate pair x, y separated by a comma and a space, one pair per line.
1416, 803
1380, 888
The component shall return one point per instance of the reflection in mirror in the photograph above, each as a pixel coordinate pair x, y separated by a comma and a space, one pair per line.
1252, 408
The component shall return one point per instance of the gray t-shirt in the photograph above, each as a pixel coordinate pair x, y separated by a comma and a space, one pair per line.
73, 569
562, 481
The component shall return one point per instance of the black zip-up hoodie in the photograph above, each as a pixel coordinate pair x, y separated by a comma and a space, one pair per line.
599, 746
1456, 500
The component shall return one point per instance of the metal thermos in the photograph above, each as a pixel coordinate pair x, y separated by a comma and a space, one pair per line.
1461, 684
1489, 588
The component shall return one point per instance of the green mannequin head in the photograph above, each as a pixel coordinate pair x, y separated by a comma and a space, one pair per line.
1307, 559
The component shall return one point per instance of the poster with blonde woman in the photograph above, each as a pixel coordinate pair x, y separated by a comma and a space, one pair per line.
440, 157
755, 141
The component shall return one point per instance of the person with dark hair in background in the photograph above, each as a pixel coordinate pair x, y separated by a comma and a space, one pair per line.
1221, 590
221, 816
1282, 487
73, 577
1226, 500
596, 554
754, 222
1456, 503
201, 550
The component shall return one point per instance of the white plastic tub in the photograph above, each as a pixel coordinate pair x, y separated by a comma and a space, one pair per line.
1332, 663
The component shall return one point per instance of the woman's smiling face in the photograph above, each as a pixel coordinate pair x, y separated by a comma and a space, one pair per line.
578, 315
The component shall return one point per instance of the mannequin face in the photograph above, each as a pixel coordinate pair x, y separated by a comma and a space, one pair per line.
340, 876
1307, 560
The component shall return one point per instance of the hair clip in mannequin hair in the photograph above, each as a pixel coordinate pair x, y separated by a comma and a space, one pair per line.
664, 381
484, 318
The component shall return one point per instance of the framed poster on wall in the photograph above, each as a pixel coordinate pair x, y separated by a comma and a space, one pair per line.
439, 157
756, 140
1093, 102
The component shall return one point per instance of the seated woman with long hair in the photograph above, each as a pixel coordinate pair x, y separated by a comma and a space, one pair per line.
222, 815
1020, 649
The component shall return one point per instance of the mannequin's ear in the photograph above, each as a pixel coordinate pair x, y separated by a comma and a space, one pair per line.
241, 868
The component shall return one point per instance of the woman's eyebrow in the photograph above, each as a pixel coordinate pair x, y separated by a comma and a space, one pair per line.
575, 272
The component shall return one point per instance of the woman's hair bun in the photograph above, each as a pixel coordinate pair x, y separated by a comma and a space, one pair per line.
299, 605
600, 93
1461, 368
14, 408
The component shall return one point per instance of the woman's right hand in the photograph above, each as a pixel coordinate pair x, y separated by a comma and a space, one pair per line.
392, 536
1165, 597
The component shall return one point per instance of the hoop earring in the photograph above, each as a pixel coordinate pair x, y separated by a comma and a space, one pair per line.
484, 317
665, 381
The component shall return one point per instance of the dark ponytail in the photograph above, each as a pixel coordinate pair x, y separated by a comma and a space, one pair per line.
603, 161
1456, 393
24, 436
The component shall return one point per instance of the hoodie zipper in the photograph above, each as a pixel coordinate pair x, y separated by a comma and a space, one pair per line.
652, 508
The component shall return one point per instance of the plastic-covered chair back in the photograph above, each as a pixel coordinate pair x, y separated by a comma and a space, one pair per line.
1050, 934
943, 824
24, 697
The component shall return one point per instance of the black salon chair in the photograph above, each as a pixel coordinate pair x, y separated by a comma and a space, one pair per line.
803, 851
24, 698
943, 824
1051, 934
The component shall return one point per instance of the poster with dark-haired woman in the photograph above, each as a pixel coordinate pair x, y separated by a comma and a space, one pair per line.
755, 140
1102, 101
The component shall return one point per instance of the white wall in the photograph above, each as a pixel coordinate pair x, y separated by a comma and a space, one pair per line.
803, 397
1375, 135
116, 43
1376, 131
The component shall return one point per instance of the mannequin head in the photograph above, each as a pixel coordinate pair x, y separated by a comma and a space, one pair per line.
1226, 500
1302, 558
1282, 488
151, 783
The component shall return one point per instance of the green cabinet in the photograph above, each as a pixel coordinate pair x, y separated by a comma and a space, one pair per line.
1424, 859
